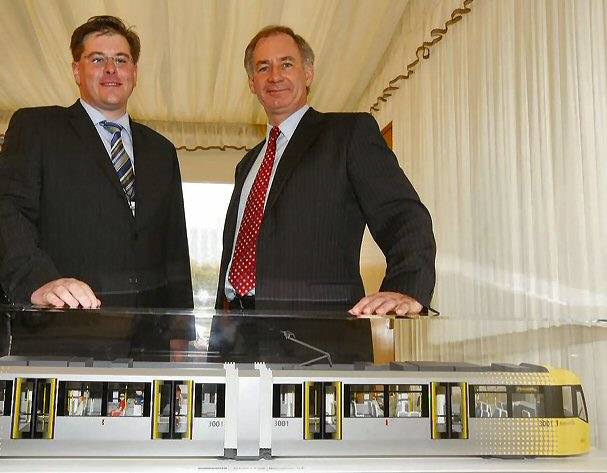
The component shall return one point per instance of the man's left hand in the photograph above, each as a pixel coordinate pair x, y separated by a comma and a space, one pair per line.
384, 303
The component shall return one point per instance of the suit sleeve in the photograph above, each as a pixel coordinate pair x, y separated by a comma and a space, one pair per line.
178, 258
399, 222
24, 267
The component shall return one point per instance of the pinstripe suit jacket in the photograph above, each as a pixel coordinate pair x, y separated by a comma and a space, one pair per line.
335, 176
63, 213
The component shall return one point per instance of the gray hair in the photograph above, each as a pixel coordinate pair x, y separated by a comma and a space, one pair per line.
304, 48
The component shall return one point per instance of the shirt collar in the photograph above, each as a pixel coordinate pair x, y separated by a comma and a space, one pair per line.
287, 127
96, 116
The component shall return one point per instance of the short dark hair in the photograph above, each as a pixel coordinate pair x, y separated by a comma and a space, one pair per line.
104, 25
304, 48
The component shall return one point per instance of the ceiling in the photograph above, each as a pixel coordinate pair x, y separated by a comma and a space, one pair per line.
190, 69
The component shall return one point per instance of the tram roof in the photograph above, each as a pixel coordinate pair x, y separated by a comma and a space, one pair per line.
60, 362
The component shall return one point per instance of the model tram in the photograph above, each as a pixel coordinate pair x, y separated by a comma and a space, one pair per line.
87, 408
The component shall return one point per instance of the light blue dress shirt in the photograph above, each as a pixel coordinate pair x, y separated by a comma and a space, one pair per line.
106, 136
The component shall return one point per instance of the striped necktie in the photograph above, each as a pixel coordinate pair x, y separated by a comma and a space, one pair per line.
122, 162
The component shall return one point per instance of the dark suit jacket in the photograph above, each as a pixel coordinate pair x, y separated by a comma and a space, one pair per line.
335, 176
63, 213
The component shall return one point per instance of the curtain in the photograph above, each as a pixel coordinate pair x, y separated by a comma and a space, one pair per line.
503, 131
191, 81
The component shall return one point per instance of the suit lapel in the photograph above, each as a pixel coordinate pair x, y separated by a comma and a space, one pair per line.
229, 228
87, 133
243, 171
245, 167
305, 134
144, 171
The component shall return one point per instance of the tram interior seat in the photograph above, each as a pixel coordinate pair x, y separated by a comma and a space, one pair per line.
523, 409
287, 409
490, 410
403, 409
207, 409
376, 411
369, 408
360, 410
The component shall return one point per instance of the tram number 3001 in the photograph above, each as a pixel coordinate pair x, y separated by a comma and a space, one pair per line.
549, 422
216, 423
281, 423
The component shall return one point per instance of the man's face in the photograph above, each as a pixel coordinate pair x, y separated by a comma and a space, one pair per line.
280, 76
106, 83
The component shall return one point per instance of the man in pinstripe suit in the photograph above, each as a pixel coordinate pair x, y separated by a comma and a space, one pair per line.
69, 231
330, 175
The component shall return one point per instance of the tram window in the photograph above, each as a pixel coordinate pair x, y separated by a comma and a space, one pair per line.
456, 409
34, 408
172, 409
126, 399
6, 388
441, 409
43, 407
182, 402
330, 409
286, 400
527, 401
365, 400
2, 389
315, 408
210, 400
323, 410
164, 393
567, 401
25, 407
81, 398
581, 405
407, 400
490, 401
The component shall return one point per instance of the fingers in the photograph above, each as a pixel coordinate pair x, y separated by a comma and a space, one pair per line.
383, 303
52, 300
410, 308
83, 294
66, 291
63, 293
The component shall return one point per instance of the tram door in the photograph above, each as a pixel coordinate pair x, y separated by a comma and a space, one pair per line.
34, 413
449, 411
173, 404
322, 407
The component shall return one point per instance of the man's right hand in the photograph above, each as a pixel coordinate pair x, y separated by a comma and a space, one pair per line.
66, 291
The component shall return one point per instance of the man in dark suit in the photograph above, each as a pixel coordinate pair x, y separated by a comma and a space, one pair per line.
91, 207
302, 198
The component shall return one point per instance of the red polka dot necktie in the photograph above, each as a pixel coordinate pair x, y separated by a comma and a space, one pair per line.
244, 261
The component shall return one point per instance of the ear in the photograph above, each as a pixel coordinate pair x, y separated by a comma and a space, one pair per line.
251, 85
135, 75
309, 72
76, 72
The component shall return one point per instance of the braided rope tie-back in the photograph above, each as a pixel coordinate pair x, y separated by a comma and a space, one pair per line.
422, 52
218, 147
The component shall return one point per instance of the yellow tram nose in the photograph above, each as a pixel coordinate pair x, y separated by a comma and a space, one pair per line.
572, 437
